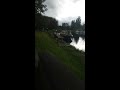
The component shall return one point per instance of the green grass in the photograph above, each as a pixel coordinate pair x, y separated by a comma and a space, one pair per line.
73, 58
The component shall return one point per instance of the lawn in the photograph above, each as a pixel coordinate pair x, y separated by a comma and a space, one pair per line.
72, 58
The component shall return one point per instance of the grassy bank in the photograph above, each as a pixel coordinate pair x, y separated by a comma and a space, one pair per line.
73, 58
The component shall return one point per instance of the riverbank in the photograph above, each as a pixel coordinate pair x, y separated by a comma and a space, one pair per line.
68, 55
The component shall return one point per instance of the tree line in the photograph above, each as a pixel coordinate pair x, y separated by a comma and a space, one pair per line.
45, 23
75, 25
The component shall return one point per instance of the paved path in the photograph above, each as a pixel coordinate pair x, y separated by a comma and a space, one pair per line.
56, 76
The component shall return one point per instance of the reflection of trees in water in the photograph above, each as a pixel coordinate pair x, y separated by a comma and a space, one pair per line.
76, 39
78, 43
76, 36
83, 37
67, 39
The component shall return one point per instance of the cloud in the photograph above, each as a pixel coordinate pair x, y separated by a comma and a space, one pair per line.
65, 10
75, 1
52, 8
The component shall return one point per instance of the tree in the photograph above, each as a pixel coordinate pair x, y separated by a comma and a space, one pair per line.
73, 24
65, 26
52, 23
78, 23
83, 27
40, 7
43, 22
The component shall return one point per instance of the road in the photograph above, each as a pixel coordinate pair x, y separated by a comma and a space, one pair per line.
51, 74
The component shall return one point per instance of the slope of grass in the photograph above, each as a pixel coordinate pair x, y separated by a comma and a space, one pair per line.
73, 58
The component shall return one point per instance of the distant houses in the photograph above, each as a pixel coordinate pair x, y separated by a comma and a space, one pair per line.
66, 32
80, 32
63, 33
77, 32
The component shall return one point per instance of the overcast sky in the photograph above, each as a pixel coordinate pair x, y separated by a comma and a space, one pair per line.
66, 10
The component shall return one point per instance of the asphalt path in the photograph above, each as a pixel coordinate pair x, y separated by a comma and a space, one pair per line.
52, 74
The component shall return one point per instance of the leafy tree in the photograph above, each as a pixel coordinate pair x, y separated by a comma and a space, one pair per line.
65, 26
40, 7
83, 27
78, 23
73, 24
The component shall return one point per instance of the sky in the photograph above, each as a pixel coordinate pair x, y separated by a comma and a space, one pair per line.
66, 10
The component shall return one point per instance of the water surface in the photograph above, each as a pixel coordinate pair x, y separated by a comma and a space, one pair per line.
80, 44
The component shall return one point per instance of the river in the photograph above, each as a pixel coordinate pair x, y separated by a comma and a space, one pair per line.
79, 44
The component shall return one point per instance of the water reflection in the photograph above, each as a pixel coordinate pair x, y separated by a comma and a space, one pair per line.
78, 44
76, 39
